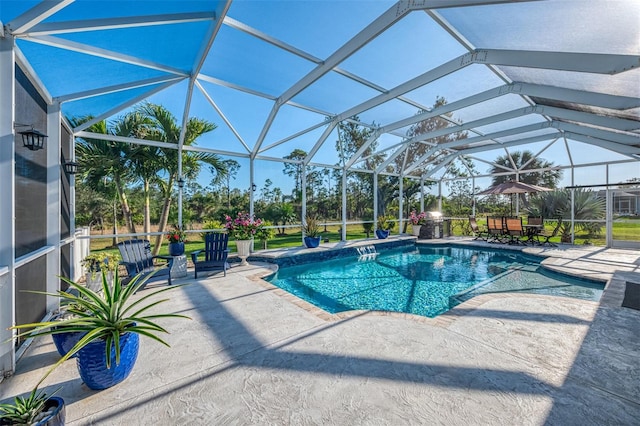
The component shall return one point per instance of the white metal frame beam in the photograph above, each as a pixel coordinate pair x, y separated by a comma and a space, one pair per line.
105, 54
35, 15
65, 27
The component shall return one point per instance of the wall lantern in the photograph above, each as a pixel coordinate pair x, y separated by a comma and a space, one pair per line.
253, 187
70, 167
32, 139
180, 183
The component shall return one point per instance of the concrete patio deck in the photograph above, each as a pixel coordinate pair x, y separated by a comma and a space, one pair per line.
254, 355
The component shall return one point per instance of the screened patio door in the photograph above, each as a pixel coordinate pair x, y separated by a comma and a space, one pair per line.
623, 223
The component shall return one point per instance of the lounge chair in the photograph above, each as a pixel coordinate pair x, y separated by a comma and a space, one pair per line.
215, 254
137, 258
478, 233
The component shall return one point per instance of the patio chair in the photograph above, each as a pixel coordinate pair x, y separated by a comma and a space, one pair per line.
514, 228
547, 236
215, 253
137, 258
477, 232
535, 224
495, 230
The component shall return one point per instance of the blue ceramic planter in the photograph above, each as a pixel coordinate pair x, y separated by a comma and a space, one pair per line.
312, 242
57, 417
176, 249
65, 341
382, 234
92, 363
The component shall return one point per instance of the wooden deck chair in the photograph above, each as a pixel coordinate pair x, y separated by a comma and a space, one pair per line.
137, 258
477, 232
215, 253
547, 236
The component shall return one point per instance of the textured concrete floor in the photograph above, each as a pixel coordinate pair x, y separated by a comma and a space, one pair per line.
254, 355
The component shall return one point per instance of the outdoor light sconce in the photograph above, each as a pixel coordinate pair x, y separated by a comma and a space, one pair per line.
32, 139
70, 167
253, 187
180, 183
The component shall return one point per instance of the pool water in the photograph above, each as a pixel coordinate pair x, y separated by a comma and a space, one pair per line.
424, 281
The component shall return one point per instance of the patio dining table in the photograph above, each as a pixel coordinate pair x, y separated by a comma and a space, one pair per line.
532, 231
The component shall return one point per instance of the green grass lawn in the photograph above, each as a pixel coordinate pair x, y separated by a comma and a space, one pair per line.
289, 239
623, 228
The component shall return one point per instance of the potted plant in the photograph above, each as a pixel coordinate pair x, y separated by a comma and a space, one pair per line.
37, 409
311, 231
385, 225
243, 228
417, 220
111, 323
65, 340
98, 263
176, 238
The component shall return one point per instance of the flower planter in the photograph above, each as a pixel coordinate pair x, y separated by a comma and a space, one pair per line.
244, 248
92, 362
415, 230
176, 249
312, 242
381, 234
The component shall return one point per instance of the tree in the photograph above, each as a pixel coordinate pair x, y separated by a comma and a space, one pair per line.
554, 204
419, 147
142, 159
98, 158
165, 128
295, 170
351, 138
522, 161
232, 167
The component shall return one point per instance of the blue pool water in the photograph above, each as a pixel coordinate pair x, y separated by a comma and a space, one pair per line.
424, 281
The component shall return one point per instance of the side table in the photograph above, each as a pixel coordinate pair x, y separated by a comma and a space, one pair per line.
179, 266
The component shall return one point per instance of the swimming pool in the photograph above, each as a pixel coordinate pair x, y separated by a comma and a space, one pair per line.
425, 281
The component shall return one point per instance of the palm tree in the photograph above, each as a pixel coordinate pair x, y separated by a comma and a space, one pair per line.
99, 158
164, 128
554, 204
548, 178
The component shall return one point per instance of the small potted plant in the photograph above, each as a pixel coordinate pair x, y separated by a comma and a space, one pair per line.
36, 409
417, 220
176, 238
311, 231
97, 263
385, 225
111, 324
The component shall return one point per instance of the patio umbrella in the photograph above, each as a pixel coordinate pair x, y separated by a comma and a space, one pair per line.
513, 187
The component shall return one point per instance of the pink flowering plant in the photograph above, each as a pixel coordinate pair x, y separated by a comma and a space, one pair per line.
243, 227
417, 219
